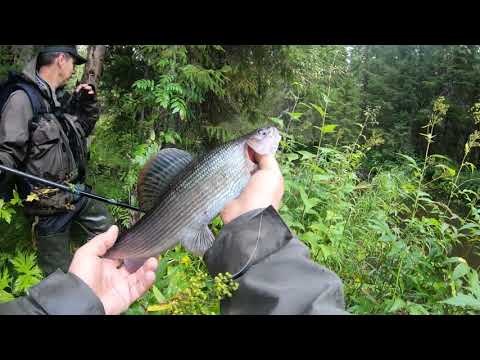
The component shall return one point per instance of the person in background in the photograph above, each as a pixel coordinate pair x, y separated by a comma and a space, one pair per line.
43, 131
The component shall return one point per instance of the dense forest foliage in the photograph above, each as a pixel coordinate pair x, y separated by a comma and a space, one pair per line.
379, 152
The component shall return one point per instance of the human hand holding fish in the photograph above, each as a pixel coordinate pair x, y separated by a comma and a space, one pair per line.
116, 288
265, 188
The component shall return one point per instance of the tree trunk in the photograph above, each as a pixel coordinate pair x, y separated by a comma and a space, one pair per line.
93, 67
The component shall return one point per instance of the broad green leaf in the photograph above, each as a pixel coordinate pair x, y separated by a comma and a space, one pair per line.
424, 195
303, 196
318, 227
319, 109
277, 121
328, 128
169, 139
162, 266
455, 259
463, 300
468, 226
410, 159
306, 154
408, 187
397, 305
363, 185
312, 202
474, 284
460, 270
16, 199
298, 225
330, 215
310, 238
226, 69
430, 221
436, 156
292, 156
309, 210
322, 177
295, 115
417, 309
6, 214
305, 104
327, 251
158, 295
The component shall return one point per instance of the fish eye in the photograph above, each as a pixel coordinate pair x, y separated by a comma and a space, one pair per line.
262, 132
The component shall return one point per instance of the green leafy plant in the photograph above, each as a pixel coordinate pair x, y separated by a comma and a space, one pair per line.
28, 272
18, 274
473, 142
440, 109
7, 209
183, 286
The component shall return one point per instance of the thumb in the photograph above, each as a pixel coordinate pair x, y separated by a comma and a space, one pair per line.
267, 162
101, 243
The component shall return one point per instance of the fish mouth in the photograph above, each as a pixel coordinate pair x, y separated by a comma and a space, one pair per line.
251, 155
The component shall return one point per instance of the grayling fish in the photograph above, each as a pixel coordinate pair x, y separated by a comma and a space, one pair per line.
182, 195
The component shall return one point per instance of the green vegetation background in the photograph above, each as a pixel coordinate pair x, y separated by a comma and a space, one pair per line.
379, 153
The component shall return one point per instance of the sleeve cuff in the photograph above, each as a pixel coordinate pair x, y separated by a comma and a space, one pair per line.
66, 294
247, 240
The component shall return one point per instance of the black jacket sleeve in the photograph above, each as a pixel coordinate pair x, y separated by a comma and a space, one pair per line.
58, 294
273, 268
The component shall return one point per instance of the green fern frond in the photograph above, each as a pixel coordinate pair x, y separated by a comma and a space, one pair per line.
25, 264
5, 296
5, 279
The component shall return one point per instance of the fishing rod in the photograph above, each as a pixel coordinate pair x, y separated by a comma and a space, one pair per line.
71, 189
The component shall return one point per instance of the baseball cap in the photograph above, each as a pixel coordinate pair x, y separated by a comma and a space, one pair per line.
70, 49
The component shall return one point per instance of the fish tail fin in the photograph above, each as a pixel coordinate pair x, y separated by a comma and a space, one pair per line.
133, 264
201, 242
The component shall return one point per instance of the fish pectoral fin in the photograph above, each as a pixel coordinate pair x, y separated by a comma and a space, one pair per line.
200, 242
158, 173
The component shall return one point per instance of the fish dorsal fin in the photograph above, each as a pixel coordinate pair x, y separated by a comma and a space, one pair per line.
200, 242
158, 173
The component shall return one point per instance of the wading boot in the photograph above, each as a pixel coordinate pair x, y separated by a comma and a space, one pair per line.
53, 252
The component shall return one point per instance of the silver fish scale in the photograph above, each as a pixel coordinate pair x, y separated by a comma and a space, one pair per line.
198, 194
